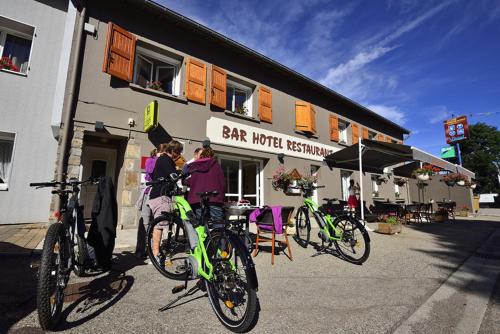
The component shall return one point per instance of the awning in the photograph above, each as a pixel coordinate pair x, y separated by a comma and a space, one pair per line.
425, 157
376, 156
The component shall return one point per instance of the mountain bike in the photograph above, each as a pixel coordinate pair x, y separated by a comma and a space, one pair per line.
64, 250
217, 257
343, 230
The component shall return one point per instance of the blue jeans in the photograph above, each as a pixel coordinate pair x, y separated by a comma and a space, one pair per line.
215, 212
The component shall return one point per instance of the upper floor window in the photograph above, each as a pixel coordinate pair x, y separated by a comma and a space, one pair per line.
6, 153
157, 71
238, 98
343, 132
375, 192
15, 45
372, 135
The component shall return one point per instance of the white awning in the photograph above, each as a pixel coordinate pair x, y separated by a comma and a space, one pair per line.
425, 157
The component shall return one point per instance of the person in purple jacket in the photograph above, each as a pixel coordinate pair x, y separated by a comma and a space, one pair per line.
207, 176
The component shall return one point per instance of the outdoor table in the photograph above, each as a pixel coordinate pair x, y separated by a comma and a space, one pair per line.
388, 208
242, 214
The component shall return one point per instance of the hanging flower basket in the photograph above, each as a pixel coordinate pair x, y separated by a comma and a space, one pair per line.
288, 182
425, 173
461, 183
400, 182
292, 188
423, 177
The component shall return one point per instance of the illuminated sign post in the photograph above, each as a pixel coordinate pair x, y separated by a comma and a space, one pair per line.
456, 130
151, 116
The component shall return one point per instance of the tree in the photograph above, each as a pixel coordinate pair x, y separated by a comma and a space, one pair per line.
481, 155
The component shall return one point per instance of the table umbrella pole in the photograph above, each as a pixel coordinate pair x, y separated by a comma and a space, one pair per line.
360, 151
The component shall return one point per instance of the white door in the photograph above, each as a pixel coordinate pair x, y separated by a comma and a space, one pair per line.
96, 161
345, 179
243, 179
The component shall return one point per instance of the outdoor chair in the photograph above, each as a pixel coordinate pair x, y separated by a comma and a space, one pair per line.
412, 211
266, 225
450, 207
425, 212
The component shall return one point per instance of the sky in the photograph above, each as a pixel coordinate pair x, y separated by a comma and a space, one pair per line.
415, 62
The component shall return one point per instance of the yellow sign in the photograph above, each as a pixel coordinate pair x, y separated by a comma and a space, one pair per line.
151, 116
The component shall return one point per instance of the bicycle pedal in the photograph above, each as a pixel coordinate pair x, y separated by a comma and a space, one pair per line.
178, 288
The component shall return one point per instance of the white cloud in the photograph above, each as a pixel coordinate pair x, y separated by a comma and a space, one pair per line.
438, 114
390, 112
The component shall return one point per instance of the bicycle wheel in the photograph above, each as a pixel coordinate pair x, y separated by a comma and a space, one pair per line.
173, 247
302, 227
52, 277
355, 244
232, 291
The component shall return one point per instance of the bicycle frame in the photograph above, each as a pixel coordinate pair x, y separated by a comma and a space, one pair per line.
328, 219
199, 252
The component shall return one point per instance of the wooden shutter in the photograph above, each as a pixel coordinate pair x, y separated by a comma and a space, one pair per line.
265, 105
334, 128
355, 134
380, 137
365, 133
196, 78
305, 117
218, 97
119, 53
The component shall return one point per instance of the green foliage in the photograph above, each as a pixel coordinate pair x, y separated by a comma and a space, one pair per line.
481, 154
391, 220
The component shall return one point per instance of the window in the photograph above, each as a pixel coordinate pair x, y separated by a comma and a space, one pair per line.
15, 45
342, 133
243, 180
372, 135
157, 71
375, 192
6, 153
396, 190
239, 98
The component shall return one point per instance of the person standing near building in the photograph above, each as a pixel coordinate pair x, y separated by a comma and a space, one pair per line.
143, 207
158, 202
352, 200
207, 176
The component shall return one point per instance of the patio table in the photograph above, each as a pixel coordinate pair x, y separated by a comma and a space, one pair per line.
241, 224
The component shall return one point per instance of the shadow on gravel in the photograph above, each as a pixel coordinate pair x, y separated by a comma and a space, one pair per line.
17, 286
458, 240
92, 298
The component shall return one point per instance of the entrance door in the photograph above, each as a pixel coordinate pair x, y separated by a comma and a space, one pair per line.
243, 179
96, 161
345, 179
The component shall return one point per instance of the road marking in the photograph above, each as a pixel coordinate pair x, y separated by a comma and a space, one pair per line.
474, 281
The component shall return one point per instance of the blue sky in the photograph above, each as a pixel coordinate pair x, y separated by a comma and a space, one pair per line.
416, 62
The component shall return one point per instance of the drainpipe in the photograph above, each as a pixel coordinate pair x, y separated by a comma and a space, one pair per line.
69, 101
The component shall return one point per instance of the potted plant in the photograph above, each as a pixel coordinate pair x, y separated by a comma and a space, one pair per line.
380, 179
463, 211
449, 179
397, 194
425, 173
241, 110
7, 64
400, 182
441, 215
391, 225
156, 85
288, 182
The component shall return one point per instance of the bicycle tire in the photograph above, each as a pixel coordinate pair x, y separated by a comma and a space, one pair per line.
171, 248
302, 227
225, 276
49, 307
349, 225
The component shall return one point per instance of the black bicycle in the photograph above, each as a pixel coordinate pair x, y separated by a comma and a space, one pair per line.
64, 250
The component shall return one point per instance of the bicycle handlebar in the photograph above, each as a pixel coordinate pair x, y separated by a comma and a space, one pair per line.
64, 183
173, 178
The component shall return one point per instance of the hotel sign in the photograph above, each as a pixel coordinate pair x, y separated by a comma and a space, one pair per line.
151, 115
221, 131
456, 129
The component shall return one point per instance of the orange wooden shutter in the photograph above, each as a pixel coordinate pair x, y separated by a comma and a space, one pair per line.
334, 128
365, 133
218, 97
265, 105
388, 139
355, 134
305, 117
196, 78
119, 53
380, 137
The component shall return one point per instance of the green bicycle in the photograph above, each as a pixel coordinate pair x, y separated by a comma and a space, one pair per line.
344, 231
220, 259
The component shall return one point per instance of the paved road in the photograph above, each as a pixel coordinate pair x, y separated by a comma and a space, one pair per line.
320, 294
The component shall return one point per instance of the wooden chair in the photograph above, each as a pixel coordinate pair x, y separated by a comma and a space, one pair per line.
266, 225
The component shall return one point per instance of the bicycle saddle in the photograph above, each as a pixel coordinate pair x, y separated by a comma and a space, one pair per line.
208, 194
